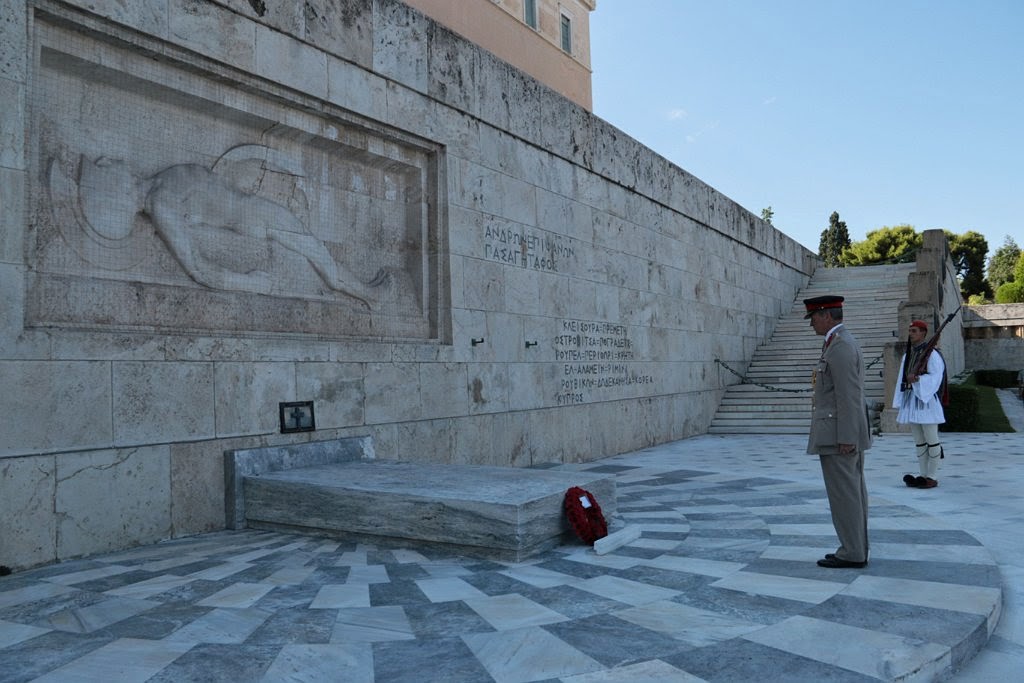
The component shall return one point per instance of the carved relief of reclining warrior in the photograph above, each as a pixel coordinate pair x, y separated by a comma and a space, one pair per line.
223, 237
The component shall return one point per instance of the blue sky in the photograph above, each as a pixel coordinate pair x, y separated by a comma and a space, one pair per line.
888, 111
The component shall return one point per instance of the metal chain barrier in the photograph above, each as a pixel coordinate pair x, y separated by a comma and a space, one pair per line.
745, 380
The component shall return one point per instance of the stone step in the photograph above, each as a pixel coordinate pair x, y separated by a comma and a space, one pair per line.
802, 370
873, 324
757, 429
766, 399
801, 422
872, 386
766, 403
774, 374
754, 411
803, 331
776, 415
852, 298
779, 352
779, 390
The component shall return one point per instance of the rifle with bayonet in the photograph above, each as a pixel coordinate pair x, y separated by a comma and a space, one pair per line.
921, 364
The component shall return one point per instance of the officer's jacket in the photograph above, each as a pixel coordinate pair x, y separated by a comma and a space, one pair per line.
840, 411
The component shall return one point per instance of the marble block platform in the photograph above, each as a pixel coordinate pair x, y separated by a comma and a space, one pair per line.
503, 513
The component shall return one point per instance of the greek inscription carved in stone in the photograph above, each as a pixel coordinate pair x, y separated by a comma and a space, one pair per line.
527, 249
595, 356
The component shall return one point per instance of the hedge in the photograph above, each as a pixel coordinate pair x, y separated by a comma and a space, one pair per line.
974, 407
1000, 379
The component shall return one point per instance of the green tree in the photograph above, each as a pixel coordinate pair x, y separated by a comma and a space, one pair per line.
1013, 292
968, 252
767, 214
896, 244
1000, 266
834, 239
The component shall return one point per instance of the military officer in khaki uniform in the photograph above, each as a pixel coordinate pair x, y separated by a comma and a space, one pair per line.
839, 430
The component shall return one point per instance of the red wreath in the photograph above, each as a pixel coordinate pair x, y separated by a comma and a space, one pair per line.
585, 517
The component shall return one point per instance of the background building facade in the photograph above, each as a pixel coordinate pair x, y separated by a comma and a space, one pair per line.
548, 39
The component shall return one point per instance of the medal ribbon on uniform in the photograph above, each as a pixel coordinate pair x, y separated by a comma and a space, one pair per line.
814, 373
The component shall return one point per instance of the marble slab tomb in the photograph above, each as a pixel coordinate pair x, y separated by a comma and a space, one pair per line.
337, 488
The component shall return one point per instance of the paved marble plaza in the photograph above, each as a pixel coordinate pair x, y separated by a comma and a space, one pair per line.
721, 586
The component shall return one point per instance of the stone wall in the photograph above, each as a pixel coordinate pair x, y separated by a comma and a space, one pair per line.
994, 337
208, 209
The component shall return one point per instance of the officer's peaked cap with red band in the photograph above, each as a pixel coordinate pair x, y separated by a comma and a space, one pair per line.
821, 303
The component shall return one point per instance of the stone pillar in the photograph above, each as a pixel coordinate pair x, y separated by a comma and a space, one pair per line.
892, 354
932, 294
923, 287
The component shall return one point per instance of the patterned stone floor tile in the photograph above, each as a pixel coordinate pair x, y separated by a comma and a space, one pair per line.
651, 671
506, 612
343, 595
416, 661
222, 662
97, 615
12, 634
624, 590
352, 663
721, 585
694, 565
538, 576
528, 654
970, 599
371, 625
614, 641
877, 654
571, 601
447, 589
440, 620
295, 625
237, 595
693, 626
931, 624
221, 626
742, 660
787, 587
125, 659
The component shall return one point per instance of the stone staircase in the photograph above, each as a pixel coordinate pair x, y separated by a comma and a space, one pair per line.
873, 295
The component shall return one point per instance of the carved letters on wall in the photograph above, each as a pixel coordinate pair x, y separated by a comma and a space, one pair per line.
166, 200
